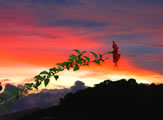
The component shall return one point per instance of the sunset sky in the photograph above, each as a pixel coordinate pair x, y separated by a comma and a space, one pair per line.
37, 34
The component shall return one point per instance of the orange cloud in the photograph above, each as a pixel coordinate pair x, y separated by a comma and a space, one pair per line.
39, 49
125, 69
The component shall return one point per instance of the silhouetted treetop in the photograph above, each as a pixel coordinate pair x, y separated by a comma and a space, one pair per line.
0, 86
109, 99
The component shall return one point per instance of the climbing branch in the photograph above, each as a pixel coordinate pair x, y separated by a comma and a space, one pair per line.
74, 62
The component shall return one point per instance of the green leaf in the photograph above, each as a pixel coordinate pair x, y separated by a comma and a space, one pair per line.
56, 77
97, 61
60, 69
36, 87
38, 77
24, 90
46, 81
49, 75
100, 57
71, 60
71, 64
87, 58
79, 61
67, 67
76, 67
29, 88
5, 107
60, 64
73, 56
79, 58
29, 84
110, 52
77, 51
95, 55
37, 83
44, 72
54, 69
83, 60
83, 52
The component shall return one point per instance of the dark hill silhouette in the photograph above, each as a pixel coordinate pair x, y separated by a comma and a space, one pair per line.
17, 115
109, 99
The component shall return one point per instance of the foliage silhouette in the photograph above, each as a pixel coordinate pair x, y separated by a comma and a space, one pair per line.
74, 61
0, 86
109, 99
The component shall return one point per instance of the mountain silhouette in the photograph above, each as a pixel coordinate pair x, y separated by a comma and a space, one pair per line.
17, 115
108, 100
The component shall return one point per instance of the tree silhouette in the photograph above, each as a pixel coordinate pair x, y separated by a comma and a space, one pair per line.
106, 100
0, 86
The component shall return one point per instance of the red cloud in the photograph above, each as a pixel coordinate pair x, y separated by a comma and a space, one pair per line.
38, 48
